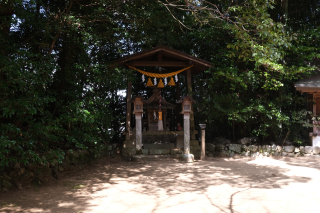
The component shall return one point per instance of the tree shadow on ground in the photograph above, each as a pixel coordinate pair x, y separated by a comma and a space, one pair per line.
310, 162
162, 185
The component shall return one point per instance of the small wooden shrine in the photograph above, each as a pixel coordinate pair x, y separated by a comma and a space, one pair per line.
156, 129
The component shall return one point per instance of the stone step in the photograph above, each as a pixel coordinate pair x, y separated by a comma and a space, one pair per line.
152, 157
159, 146
159, 151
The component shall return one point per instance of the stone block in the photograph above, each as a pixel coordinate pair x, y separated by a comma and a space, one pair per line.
254, 154
189, 158
128, 152
210, 147
235, 147
159, 151
316, 150
176, 151
179, 142
223, 154
308, 149
196, 151
279, 148
302, 149
288, 149
244, 148
145, 151
273, 148
244, 141
253, 148
284, 154
291, 154
296, 150
247, 153
268, 148
219, 147
128, 144
159, 146
138, 158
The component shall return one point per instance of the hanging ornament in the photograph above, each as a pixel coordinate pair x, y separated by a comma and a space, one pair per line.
176, 78
149, 83
155, 81
143, 78
171, 82
165, 81
160, 85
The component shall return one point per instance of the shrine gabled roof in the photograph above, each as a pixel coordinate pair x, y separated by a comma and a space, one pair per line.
155, 97
163, 56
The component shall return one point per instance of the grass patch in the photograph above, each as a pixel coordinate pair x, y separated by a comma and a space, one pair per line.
11, 204
79, 186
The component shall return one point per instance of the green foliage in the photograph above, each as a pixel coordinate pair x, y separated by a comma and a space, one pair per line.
257, 54
58, 91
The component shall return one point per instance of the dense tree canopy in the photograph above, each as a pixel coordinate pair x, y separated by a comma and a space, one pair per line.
58, 92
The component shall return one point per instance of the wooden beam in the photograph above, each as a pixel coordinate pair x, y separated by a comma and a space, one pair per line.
157, 64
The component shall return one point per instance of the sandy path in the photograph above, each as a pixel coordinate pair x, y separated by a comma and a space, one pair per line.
215, 185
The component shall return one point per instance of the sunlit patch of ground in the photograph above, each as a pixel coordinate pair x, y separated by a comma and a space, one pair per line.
214, 185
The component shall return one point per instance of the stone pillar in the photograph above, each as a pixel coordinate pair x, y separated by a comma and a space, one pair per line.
128, 113
186, 132
186, 156
138, 131
203, 141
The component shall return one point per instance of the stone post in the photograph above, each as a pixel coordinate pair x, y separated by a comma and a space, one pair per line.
203, 141
186, 132
138, 116
138, 110
186, 104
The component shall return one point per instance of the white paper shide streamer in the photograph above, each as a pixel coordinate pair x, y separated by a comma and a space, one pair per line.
155, 81
165, 81
143, 78
176, 76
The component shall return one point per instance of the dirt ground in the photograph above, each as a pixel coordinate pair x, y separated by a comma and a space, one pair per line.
214, 185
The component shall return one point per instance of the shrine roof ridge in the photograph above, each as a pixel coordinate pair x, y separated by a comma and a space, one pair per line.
181, 59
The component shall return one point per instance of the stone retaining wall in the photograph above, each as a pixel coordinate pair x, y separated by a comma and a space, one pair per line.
36, 173
231, 150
